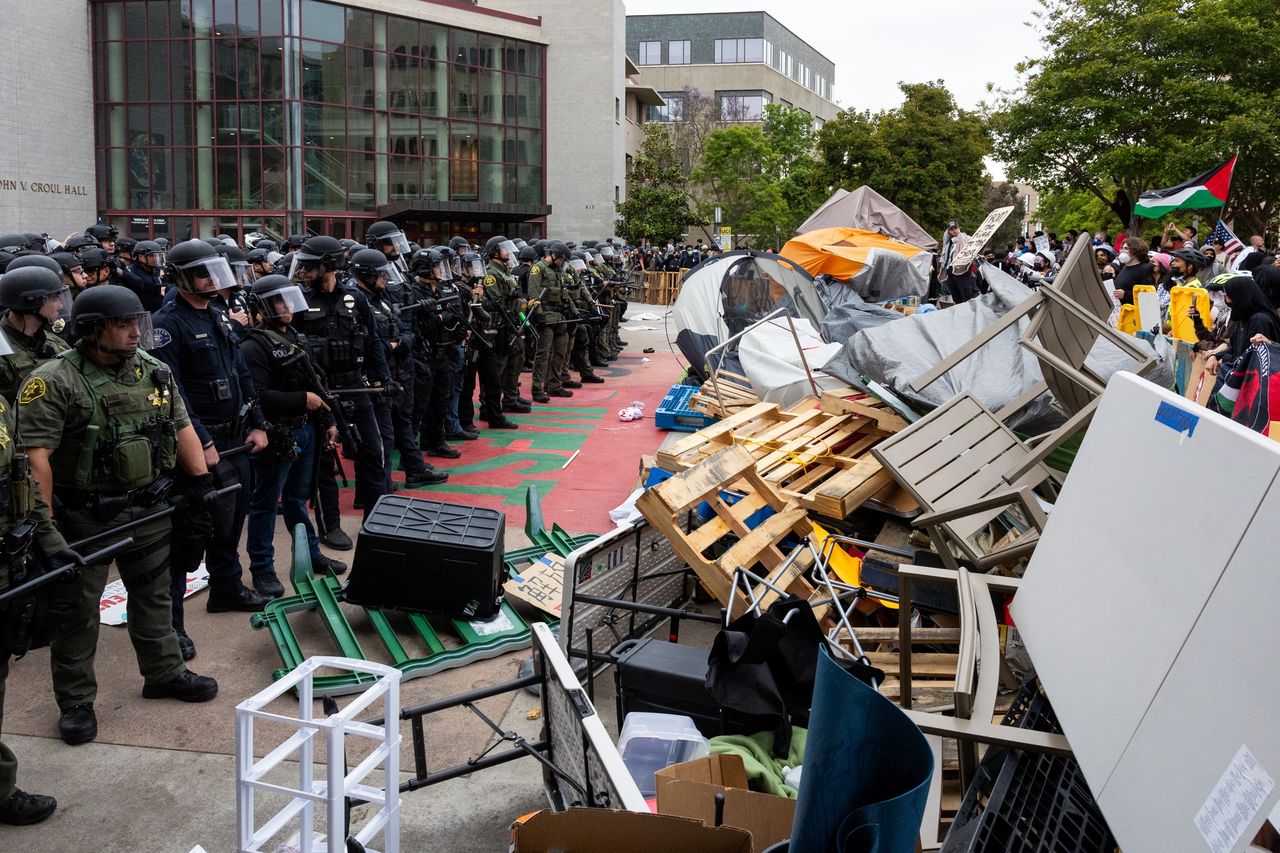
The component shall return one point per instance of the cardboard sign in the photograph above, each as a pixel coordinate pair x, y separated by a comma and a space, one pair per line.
689, 790
1042, 246
113, 607
980, 237
540, 585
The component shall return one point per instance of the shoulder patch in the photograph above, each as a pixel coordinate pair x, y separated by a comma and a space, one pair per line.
535, 271
161, 336
489, 281
33, 390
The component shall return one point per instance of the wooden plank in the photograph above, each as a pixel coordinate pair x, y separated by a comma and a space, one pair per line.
918, 635
851, 488
923, 665
886, 419
688, 488
686, 443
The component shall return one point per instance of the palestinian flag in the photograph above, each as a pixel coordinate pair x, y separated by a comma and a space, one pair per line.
1207, 190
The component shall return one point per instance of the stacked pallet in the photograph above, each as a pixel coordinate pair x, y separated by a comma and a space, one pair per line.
733, 395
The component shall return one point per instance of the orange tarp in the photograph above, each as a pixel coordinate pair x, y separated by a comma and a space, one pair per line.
841, 252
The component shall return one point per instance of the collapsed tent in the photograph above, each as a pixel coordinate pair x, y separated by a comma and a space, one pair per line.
724, 295
866, 209
876, 267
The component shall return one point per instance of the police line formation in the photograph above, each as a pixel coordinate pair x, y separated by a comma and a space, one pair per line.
155, 398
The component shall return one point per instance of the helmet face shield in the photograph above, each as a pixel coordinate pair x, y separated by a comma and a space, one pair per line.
399, 243
125, 335
56, 310
305, 267
242, 272
511, 250
279, 303
577, 264
206, 275
606, 251
474, 268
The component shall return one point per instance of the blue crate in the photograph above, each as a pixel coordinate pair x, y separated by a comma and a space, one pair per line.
674, 412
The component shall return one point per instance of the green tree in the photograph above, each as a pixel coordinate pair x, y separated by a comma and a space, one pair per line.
739, 169
657, 206
790, 135
1005, 194
925, 156
1138, 94
1061, 210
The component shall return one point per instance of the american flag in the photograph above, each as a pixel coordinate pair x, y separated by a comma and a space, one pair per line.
1229, 241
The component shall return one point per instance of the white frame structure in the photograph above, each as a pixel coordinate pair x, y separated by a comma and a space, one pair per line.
338, 784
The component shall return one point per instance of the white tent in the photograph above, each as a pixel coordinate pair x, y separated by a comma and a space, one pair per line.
866, 209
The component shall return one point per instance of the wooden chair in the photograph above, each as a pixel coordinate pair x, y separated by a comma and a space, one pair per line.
965, 468
1068, 317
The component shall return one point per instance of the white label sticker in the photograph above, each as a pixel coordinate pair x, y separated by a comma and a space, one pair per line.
1234, 801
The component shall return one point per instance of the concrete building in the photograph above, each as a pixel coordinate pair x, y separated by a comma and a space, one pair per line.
742, 59
47, 180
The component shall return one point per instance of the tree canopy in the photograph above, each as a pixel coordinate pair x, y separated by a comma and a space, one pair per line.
1133, 95
656, 206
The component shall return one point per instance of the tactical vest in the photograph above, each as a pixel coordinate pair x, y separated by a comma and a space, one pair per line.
545, 285
28, 354
336, 336
130, 437
384, 323
16, 496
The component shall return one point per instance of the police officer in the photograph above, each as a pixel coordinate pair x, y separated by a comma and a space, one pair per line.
548, 288
102, 425
37, 305
104, 237
284, 473
97, 266
194, 337
338, 325
454, 283
482, 361
73, 274
437, 319
502, 293
143, 275
260, 262
370, 271
387, 238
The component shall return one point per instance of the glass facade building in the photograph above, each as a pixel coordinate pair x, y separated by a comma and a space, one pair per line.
289, 116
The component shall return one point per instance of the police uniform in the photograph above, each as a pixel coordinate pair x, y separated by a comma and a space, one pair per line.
546, 285
18, 499
338, 326
437, 334
283, 474
29, 351
111, 431
482, 363
201, 348
146, 283
503, 290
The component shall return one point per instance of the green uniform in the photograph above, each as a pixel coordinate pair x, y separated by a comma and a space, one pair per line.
547, 286
47, 540
112, 431
29, 351
508, 343
579, 357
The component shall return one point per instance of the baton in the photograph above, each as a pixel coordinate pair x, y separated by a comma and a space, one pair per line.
57, 572
155, 516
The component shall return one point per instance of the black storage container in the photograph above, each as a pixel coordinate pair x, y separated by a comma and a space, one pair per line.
668, 678
431, 557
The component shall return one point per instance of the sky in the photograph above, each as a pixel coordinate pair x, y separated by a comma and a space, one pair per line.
876, 45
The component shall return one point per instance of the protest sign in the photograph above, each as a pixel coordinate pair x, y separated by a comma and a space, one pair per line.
980, 237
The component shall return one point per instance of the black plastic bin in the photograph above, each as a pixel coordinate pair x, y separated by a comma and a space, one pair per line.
429, 557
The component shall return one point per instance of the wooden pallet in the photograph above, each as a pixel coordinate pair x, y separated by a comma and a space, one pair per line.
735, 395
756, 549
815, 458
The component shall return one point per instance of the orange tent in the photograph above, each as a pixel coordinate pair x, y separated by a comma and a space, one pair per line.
843, 252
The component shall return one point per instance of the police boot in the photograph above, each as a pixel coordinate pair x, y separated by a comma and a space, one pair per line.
591, 378
187, 687
522, 401
444, 451
561, 392
243, 600
23, 809
78, 724
337, 540
569, 383
502, 423
266, 583
321, 564
539, 397
517, 408
429, 476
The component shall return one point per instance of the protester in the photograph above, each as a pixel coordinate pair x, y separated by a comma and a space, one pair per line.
1135, 268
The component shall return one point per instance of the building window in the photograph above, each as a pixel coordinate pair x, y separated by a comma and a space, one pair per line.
617, 111
678, 53
650, 53
742, 107
739, 50
672, 111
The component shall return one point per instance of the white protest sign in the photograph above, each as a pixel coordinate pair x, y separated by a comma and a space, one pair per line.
980, 237
1042, 246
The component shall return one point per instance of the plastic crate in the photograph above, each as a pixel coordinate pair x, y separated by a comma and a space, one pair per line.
1022, 801
674, 412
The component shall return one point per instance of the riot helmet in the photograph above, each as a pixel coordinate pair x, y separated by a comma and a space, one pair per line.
251, 240
78, 243
578, 262
429, 263
102, 235
197, 268
557, 251
149, 254
73, 274
528, 255
472, 266
115, 317
94, 261
30, 288
14, 243
386, 236
315, 258
459, 245
373, 269
502, 250
241, 271
274, 297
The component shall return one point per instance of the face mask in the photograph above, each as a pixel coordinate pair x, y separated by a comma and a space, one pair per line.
1218, 299
1123, 258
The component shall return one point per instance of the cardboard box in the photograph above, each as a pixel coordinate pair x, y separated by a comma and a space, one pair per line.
689, 790
595, 830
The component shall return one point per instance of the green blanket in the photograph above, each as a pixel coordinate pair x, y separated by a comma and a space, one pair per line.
764, 772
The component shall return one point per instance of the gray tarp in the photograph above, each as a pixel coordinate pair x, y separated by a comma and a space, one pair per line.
895, 354
866, 209
848, 313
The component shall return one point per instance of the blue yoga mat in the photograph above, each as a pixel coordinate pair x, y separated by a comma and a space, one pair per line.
866, 771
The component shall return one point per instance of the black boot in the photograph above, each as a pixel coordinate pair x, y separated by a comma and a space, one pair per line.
78, 724
321, 564
23, 809
188, 687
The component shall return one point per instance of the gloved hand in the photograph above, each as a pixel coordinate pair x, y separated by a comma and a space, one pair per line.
200, 493
67, 556
391, 389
